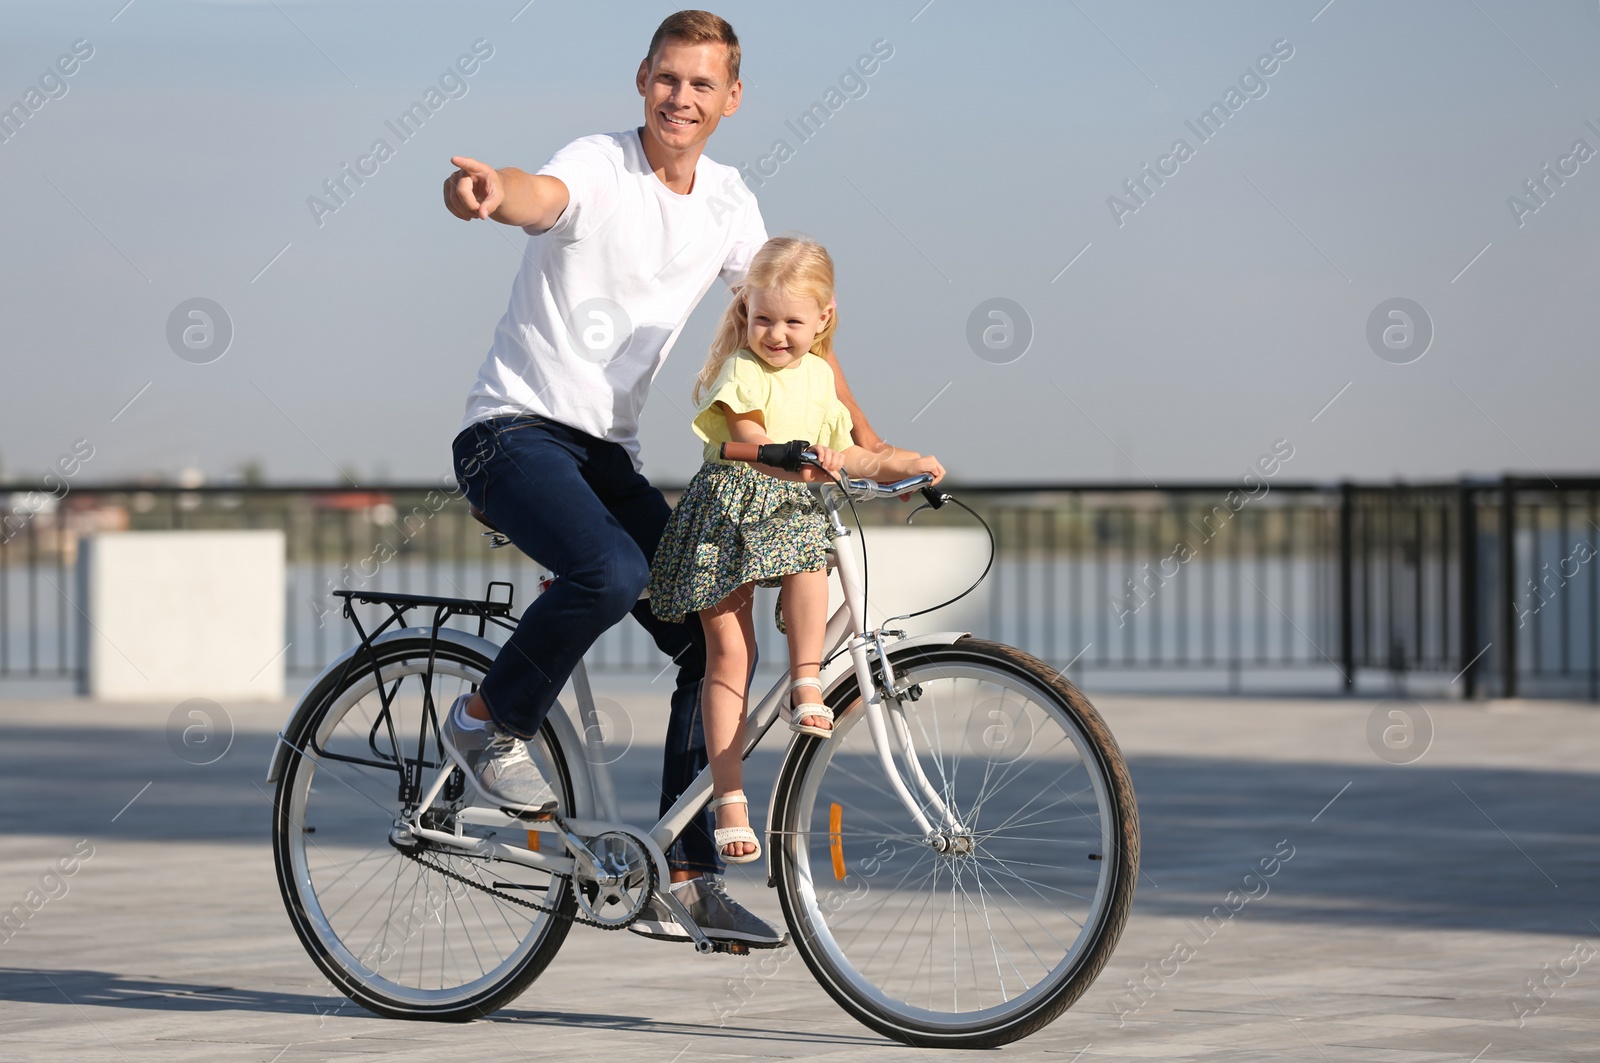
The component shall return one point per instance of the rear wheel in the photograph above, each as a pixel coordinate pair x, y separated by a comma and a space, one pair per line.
972, 937
394, 934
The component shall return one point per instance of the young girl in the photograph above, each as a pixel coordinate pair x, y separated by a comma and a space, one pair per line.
767, 381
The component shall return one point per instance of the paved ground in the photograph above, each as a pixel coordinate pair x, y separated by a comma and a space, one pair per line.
1421, 903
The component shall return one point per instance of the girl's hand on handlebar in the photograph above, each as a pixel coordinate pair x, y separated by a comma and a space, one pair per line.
830, 460
927, 464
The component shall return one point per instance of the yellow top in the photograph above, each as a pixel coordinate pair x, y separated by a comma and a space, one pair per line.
795, 402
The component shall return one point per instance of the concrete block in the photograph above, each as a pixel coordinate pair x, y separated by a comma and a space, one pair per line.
181, 614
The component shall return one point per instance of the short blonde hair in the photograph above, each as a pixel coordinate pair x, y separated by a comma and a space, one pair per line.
789, 264
697, 27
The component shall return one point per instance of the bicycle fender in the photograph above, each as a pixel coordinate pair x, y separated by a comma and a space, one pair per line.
842, 670
566, 733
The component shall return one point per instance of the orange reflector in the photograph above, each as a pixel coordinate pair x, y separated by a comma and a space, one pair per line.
835, 845
533, 841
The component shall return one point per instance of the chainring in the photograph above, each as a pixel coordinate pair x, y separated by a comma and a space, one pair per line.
617, 903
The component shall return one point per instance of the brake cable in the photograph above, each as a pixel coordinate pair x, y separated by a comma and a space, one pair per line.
983, 576
930, 493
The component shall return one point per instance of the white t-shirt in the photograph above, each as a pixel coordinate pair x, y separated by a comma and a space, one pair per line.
603, 293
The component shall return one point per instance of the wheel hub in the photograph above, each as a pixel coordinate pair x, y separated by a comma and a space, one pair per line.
951, 843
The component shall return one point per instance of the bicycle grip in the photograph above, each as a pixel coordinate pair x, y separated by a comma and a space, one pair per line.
788, 456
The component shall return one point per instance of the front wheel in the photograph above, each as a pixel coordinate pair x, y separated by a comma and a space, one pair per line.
976, 936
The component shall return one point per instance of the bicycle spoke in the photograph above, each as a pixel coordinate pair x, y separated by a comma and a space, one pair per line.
888, 896
994, 942
883, 790
1034, 886
906, 940
1046, 808
331, 916
373, 853
1024, 938
1006, 781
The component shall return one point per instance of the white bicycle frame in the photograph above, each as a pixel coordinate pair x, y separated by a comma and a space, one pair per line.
881, 703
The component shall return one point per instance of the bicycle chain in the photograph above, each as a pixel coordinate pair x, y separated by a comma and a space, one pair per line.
574, 917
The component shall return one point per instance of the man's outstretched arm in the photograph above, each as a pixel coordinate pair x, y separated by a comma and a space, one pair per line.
476, 190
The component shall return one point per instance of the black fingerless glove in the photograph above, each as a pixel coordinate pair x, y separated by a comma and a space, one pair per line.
784, 456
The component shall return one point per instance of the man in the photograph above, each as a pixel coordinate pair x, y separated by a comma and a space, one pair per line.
628, 232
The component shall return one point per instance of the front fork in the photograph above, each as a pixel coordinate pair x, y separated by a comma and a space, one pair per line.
891, 737
883, 702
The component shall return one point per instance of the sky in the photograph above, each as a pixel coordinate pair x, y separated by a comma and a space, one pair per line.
1243, 299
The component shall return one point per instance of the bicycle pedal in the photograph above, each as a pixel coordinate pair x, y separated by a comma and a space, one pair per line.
529, 817
733, 948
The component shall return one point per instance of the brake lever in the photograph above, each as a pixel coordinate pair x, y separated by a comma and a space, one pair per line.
935, 500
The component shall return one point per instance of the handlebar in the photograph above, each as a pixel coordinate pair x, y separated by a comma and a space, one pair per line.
796, 453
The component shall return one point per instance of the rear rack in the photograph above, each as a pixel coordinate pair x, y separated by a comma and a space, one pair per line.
488, 610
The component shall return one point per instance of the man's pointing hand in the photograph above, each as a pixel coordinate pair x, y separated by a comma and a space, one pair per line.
474, 190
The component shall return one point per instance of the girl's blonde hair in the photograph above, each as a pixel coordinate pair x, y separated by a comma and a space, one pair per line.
789, 264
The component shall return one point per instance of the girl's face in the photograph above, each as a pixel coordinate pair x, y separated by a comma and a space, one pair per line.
783, 326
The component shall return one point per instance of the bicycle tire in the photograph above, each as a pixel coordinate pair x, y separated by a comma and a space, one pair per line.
838, 966
348, 964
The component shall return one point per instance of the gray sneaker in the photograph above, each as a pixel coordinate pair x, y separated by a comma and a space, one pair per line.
496, 764
719, 915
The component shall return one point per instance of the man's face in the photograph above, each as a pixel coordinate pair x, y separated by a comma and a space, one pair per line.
686, 92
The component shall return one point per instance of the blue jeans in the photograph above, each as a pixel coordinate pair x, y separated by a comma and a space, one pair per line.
576, 505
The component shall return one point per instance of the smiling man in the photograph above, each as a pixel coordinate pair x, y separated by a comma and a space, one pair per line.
627, 232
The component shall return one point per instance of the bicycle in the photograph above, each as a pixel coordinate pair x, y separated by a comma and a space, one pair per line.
940, 908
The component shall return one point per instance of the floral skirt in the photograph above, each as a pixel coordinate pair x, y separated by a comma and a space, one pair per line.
734, 526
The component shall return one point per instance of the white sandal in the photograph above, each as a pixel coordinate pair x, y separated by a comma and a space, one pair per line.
724, 836
793, 714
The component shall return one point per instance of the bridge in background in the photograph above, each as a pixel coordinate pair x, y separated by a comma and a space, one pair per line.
1480, 587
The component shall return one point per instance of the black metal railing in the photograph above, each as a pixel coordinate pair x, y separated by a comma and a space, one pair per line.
1490, 585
